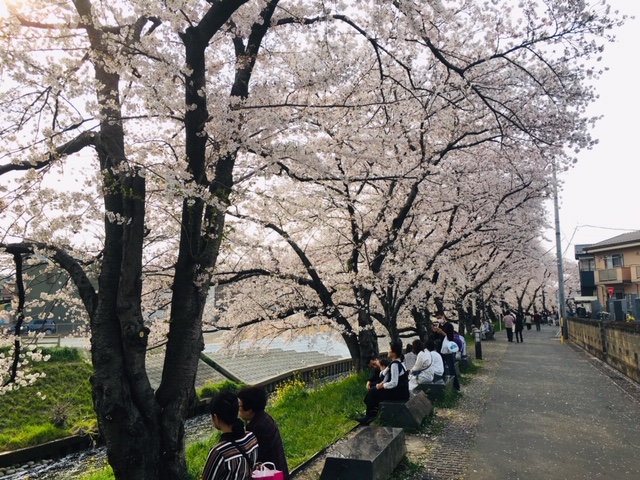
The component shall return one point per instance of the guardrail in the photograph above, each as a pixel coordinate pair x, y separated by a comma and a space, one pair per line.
53, 340
307, 375
46, 340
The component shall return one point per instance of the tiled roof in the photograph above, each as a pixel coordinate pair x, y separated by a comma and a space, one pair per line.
631, 237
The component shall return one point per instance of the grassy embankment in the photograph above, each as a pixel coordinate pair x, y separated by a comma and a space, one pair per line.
57, 406
309, 419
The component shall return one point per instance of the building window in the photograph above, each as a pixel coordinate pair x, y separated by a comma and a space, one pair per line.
587, 265
613, 261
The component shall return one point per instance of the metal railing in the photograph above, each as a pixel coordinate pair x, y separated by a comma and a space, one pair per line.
309, 374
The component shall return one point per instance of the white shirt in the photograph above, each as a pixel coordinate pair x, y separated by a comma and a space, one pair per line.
394, 368
438, 364
423, 361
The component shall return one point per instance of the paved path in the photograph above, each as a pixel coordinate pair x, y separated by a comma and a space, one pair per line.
540, 410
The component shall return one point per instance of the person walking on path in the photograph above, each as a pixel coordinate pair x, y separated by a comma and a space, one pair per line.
528, 320
509, 321
537, 319
519, 326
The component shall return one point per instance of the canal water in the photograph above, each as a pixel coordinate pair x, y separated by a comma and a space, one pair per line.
72, 466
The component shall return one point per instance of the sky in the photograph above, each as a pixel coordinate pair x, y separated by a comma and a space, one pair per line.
600, 195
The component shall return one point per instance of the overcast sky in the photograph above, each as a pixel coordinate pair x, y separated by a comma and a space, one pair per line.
601, 194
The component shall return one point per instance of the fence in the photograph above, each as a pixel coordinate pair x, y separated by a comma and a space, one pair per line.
616, 343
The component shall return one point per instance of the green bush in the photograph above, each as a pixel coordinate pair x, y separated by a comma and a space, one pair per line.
63, 354
211, 389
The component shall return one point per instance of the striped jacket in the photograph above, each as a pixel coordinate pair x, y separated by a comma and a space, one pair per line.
226, 462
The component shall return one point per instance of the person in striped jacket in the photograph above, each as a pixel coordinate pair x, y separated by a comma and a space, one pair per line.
235, 456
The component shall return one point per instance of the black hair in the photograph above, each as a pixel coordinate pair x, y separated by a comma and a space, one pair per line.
396, 348
370, 359
225, 406
385, 362
430, 345
253, 398
418, 346
409, 348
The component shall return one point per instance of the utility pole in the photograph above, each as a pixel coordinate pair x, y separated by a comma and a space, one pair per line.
561, 300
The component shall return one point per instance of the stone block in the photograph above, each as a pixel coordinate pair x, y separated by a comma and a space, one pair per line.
372, 454
408, 414
465, 363
437, 390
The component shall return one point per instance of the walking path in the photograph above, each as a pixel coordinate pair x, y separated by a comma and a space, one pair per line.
539, 410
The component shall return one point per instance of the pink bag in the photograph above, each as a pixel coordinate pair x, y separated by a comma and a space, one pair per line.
264, 471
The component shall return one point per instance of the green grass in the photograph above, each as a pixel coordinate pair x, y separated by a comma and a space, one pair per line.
63, 406
309, 420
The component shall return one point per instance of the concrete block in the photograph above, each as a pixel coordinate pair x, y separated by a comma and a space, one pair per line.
437, 390
372, 454
408, 414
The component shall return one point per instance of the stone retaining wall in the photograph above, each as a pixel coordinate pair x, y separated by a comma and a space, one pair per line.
616, 343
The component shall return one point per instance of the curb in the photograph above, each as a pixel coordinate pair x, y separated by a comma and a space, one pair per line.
54, 448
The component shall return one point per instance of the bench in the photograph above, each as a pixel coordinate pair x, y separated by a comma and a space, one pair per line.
406, 414
437, 390
372, 454
465, 363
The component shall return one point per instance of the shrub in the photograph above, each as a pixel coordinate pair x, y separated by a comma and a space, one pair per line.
211, 389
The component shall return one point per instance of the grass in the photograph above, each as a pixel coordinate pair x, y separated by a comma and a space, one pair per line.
57, 406
309, 419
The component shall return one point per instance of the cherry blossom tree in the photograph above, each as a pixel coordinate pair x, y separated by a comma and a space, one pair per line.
166, 114
461, 108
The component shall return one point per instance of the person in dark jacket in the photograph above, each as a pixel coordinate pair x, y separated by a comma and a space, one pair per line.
252, 402
519, 327
441, 329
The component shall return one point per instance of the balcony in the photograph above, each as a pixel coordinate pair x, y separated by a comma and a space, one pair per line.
635, 273
610, 276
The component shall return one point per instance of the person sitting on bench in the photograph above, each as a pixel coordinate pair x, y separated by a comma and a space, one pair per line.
394, 386
429, 366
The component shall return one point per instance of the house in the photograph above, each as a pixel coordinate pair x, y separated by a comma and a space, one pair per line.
46, 296
617, 269
587, 270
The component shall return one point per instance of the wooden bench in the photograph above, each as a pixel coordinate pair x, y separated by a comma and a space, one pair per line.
437, 390
406, 414
372, 454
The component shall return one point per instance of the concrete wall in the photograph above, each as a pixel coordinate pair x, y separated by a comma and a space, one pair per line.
616, 343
